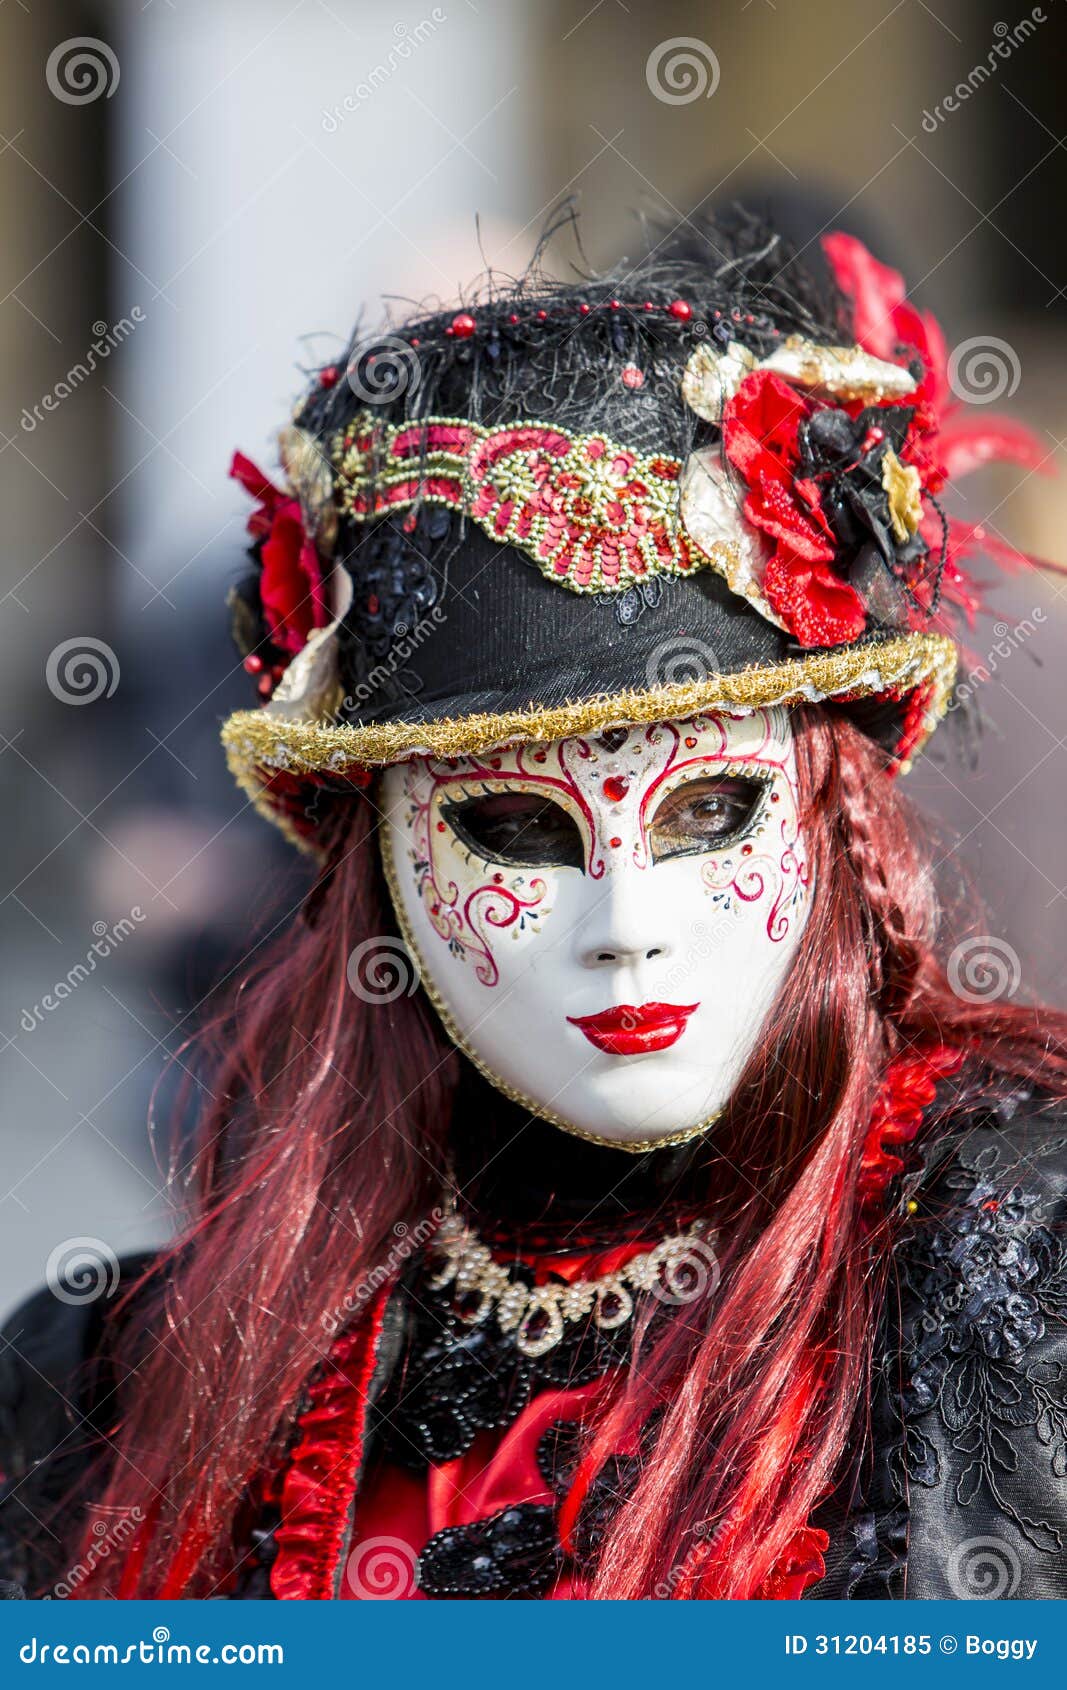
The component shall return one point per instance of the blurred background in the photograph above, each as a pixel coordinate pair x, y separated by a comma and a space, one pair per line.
196, 200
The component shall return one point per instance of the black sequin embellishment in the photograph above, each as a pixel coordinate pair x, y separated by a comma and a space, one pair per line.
515, 1553
394, 590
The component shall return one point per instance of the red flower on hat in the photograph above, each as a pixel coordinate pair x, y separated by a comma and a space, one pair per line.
947, 439
292, 583
760, 425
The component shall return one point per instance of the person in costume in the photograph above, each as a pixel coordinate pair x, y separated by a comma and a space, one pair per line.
612, 1187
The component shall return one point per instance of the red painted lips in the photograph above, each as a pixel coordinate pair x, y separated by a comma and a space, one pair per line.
629, 1029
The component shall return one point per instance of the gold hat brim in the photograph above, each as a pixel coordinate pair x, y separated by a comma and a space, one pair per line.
265, 750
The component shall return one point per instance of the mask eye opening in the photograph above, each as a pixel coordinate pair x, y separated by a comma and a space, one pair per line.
516, 830
678, 828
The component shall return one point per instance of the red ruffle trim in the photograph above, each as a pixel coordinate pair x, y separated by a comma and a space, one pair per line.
907, 1092
323, 1471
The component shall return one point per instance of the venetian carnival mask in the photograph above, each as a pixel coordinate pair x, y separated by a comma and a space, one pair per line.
604, 922
685, 497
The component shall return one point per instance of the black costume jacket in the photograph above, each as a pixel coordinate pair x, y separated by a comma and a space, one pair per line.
961, 1491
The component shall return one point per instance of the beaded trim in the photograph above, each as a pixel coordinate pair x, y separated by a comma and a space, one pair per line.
539, 1315
260, 745
595, 516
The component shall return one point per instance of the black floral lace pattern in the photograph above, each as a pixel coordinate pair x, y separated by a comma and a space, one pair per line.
394, 590
966, 1441
515, 1553
987, 1282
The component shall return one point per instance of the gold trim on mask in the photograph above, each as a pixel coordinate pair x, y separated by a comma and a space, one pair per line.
636, 1147
259, 744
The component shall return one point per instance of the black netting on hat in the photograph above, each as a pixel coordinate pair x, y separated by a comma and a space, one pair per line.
565, 351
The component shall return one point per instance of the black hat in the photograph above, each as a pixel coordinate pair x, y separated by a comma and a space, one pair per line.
707, 480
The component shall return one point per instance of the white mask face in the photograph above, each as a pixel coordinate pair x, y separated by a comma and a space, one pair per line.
604, 922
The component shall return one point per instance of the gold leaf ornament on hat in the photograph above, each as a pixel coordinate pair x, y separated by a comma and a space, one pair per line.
710, 508
713, 375
307, 467
904, 490
311, 689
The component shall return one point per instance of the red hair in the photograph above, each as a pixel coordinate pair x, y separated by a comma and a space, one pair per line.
328, 1127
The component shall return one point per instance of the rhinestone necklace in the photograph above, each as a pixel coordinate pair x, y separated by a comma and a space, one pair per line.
679, 1270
